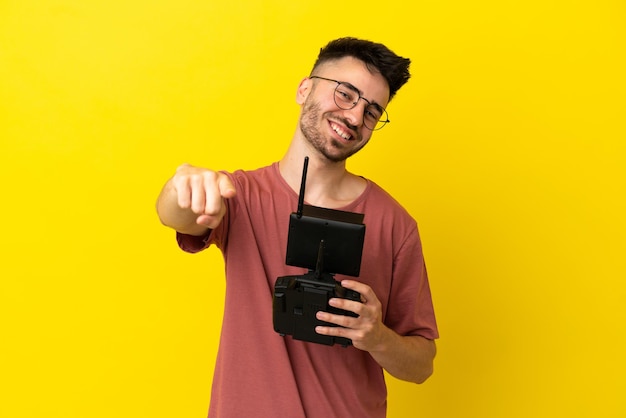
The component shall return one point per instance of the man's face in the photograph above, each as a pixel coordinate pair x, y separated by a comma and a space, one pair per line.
334, 132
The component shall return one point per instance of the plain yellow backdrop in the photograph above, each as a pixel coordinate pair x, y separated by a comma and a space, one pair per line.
507, 146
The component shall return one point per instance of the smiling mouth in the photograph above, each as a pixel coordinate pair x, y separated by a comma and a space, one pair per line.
340, 131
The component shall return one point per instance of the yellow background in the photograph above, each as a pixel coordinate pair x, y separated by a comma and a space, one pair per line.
507, 146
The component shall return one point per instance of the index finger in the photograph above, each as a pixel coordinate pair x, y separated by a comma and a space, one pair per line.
217, 187
366, 292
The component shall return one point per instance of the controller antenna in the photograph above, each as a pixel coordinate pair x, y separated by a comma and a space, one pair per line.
319, 266
302, 184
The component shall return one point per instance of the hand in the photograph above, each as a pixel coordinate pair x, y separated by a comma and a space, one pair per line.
203, 191
366, 331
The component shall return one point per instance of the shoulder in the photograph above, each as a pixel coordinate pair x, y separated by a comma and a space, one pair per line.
378, 199
264, 178
261, 188
385, 214
254, 174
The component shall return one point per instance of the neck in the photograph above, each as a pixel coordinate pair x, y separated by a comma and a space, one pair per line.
328, 183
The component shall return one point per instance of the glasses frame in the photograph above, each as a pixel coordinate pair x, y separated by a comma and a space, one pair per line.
351, 87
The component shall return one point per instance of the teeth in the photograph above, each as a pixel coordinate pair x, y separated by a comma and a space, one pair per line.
341, 133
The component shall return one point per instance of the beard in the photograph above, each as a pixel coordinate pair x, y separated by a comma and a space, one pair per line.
331, 149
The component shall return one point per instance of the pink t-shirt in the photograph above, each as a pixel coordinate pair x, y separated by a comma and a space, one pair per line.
261, 374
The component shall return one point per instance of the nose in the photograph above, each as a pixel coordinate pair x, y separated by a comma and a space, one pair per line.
355, 115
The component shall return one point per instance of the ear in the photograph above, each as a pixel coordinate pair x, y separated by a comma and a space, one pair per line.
303, 90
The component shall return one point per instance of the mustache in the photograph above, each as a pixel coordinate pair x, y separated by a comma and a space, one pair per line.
338, 118
350, 126
344, 121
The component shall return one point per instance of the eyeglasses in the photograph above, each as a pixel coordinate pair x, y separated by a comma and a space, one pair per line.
347, 97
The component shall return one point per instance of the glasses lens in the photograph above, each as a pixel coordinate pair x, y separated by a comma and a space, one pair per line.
375, 117
346, 97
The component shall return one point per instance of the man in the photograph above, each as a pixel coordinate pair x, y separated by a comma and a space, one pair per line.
246, 214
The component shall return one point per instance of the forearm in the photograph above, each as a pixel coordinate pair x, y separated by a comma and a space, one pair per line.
407, 358
404, 357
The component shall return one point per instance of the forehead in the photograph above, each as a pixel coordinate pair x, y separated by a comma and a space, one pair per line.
371, 84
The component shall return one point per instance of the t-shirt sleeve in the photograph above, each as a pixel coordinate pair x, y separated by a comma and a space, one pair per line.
410, 311
193, 243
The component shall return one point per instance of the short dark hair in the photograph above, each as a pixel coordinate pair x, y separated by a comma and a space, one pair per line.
376, 56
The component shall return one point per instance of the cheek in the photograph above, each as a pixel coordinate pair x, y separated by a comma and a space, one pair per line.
366, 134
310, 109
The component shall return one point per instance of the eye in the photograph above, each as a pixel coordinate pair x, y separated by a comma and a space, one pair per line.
373, 113
346, 94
